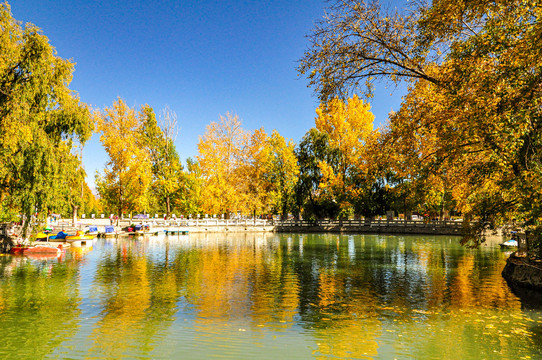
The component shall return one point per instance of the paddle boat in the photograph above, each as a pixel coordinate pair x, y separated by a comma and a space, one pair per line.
37, 249
109, 231
45, 235
80, 239
92, 230
140, 230
512, 243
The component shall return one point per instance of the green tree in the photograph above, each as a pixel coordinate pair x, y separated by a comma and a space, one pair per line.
166, 165
281, 173
42, 121
314, 148
191, 192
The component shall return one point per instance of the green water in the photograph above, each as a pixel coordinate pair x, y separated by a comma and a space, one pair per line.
249, 296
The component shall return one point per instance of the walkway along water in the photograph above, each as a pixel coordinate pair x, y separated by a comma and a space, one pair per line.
361, 226
368, 226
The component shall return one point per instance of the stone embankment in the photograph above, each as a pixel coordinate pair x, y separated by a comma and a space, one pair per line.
522, 272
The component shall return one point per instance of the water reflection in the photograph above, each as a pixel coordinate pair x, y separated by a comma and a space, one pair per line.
265, 295
39, 301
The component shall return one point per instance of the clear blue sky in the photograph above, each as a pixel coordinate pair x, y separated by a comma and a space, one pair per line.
200, 58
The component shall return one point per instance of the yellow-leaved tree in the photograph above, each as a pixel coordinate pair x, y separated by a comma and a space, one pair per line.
349, 125
253, 172
220, 155
127, 176
165, 163
281, 173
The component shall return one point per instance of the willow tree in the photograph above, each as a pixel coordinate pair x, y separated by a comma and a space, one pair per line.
125, 184
481, 61
42, 121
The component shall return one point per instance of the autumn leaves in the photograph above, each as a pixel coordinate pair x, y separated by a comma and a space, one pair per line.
235, 170
467, 135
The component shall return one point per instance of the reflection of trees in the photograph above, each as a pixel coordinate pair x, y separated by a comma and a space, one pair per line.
39, 302
356, 296
347, 291
123, 280
336, 300
239, 277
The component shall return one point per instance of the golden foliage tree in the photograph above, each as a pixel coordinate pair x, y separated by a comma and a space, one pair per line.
220, 155
127, 176
165, 163
254, 170
349, 125
479, 63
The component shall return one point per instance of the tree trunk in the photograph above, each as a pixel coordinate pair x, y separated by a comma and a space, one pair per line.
74, 215
168, 206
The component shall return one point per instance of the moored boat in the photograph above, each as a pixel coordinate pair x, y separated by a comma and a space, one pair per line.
79, 235
37, 249
45, 236
92, 230
141, 229
80, 239
512, 243
109, 231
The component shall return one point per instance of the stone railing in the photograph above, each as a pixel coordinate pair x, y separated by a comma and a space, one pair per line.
372, 226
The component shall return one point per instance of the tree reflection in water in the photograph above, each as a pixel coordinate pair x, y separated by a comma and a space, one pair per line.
244, 295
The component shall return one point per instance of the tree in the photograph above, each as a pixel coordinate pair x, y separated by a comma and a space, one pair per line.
480, 63
42, 121
220, 155
253, 172
127, 176
348, 124
190, 197
358, 42
281, 173
165, 162
313, 148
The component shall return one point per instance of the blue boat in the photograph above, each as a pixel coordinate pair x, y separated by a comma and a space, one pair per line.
109, 231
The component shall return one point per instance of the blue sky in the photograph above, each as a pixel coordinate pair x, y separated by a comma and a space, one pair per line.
200, 58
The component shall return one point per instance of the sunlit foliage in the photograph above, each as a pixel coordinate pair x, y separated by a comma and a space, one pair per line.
348, 125
124, 186
166, 165
42, 121
474, 77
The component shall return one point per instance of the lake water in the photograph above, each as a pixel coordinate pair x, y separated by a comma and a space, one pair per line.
268, 296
